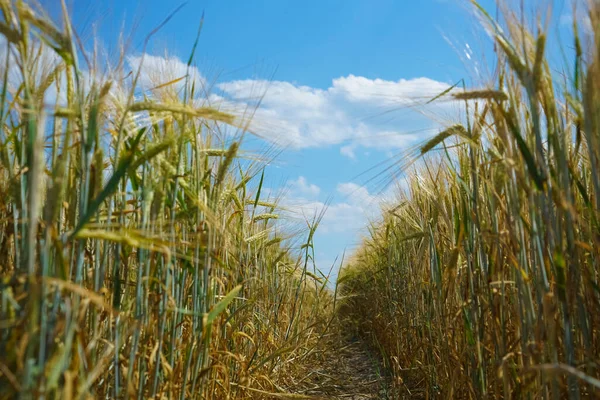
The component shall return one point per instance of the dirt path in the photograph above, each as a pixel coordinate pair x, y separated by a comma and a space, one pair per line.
346, 370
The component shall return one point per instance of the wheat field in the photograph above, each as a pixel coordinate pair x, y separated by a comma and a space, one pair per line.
141, 256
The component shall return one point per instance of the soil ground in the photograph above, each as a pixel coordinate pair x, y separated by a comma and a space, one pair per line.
345, 370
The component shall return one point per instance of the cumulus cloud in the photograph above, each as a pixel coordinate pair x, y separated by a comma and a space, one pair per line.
349, 211
303, 188
337, 218
159, 70
348, 151
381, 92
353, 112
357, 193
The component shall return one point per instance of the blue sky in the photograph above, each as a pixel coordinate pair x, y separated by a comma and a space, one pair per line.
342, 82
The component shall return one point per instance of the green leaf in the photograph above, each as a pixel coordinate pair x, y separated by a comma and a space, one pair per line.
525, 152
222, 305
257, 198
111, 185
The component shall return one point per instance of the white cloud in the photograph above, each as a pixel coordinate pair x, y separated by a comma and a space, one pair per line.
355, 209
40, 68
354, 111
583, 19
352, 209
348, 151
302, 187
355, 192
343, 217
340, 217
387, 93
159, 70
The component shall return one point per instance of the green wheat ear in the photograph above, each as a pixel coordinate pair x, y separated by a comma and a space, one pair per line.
457, 130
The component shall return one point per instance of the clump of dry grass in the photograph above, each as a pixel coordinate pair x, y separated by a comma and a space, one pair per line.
137, 256
484, 281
